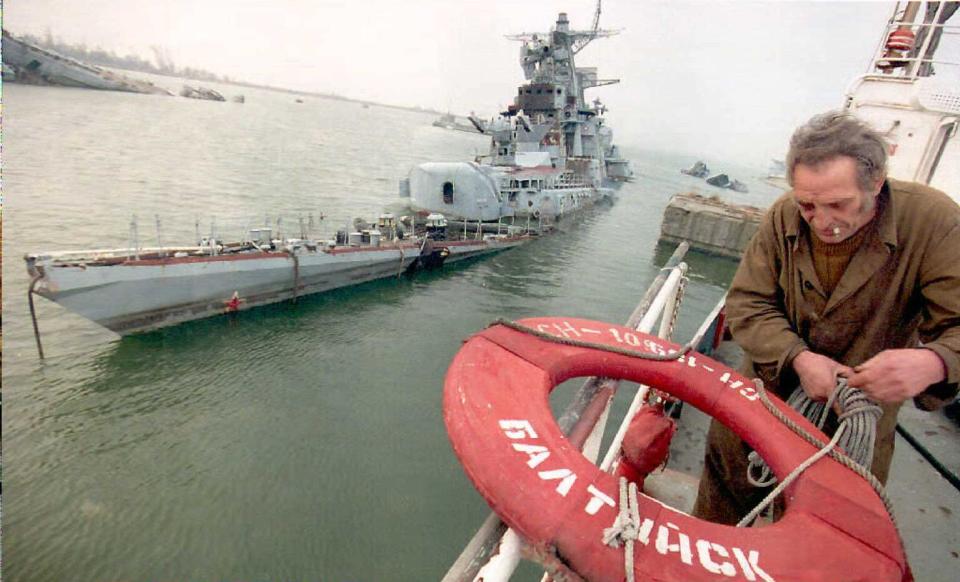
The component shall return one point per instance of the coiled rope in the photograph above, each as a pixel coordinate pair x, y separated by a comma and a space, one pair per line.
834, 454
859, 416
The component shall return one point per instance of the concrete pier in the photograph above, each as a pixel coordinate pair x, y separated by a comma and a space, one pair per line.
710, 225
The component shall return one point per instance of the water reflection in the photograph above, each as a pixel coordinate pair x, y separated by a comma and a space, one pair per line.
159, 448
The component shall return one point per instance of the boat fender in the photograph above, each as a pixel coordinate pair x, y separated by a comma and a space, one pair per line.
496, 407
901, 39
646, 444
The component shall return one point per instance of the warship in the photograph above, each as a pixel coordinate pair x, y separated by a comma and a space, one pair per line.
137, 289
551, 152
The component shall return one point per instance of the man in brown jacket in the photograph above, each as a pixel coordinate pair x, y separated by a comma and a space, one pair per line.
847, 274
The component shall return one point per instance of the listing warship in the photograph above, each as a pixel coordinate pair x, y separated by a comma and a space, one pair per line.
551, 152
138, 289
24, 62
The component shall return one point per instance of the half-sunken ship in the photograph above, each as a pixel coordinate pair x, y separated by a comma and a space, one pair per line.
139, 289
551, 152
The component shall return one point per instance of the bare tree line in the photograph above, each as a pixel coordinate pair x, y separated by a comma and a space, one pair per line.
163, 64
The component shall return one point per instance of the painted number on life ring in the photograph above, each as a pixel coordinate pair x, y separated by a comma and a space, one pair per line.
567, 330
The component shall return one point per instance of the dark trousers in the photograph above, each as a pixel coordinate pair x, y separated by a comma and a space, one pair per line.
725, 494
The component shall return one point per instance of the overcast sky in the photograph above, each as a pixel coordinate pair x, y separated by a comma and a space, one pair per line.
730, 79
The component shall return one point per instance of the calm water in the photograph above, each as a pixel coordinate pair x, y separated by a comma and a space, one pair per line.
289, 443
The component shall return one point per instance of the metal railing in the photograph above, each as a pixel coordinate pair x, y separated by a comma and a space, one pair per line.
891, 58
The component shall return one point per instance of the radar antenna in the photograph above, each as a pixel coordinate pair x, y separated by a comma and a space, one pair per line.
583, 41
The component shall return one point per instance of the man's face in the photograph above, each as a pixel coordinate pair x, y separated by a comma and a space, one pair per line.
830, 200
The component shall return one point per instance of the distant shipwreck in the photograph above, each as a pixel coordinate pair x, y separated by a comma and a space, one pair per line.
203, 93
700, 170
27, 63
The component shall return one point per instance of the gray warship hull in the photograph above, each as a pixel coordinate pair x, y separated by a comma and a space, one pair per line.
489, 193
132, 295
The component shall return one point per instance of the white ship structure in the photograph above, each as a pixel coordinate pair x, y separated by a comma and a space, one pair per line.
902, 96
551, 152
137, 289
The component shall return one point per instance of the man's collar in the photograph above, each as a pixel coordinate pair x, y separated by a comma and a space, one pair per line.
887, 227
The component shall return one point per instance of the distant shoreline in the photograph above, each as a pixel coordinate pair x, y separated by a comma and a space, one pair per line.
332, 96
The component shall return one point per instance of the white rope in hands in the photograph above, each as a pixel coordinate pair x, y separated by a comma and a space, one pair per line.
859, 415
858, 422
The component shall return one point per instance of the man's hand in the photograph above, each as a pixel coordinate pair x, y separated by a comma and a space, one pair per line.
818, 374
896, 375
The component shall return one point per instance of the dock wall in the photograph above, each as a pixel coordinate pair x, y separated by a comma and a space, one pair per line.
710, 225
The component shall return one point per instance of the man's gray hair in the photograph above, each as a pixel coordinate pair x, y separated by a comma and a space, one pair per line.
838, 133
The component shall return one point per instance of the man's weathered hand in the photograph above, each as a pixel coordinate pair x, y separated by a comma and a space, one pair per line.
896, 375
818, 374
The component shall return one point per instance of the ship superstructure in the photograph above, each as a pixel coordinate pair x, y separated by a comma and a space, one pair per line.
551, 151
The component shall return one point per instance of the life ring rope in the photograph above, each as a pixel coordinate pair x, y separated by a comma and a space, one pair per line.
666, 357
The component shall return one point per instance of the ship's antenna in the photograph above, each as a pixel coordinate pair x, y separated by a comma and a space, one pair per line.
134, 238
581, 42
213, 235
159, 241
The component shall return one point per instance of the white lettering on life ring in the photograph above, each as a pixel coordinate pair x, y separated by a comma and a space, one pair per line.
668, 540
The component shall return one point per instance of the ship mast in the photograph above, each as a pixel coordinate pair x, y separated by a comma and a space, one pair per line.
582, 42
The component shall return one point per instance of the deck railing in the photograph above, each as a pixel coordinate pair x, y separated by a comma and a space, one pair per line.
907, 49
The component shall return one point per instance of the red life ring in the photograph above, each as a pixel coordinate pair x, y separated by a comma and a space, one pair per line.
496, 409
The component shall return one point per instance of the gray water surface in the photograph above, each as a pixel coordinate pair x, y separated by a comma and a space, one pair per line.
289, 442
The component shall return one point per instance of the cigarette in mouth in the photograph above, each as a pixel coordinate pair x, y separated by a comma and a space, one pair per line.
836, 231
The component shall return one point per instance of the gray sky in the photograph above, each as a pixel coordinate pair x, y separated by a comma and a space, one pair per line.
729, 79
